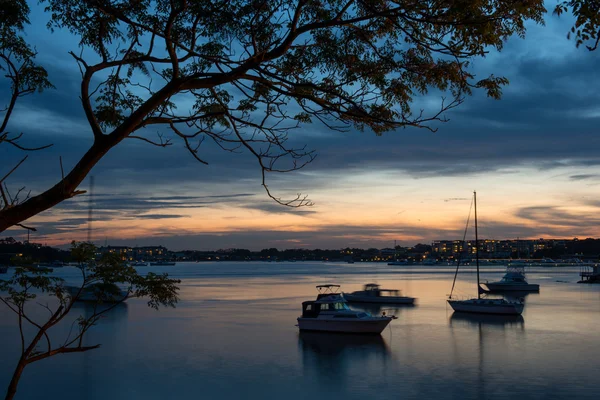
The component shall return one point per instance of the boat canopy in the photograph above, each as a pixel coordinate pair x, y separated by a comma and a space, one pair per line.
376, 288
328, 288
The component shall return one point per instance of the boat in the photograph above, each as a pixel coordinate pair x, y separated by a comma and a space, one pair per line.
398, 262
513, 280
373, 293
98, 293
482, 305
42, 268
330, 313
161, 263
139, 264
590, 275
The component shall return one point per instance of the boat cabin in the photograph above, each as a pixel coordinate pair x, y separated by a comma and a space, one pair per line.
329, 304
514, 277
590, 275
373, 289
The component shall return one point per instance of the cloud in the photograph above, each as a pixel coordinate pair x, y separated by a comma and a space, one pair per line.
546, 121
161, 216
275, 208
582, 177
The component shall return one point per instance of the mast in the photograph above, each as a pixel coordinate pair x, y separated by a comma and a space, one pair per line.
476, 244
90, 207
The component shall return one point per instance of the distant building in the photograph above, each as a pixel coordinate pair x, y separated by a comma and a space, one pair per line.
147, 253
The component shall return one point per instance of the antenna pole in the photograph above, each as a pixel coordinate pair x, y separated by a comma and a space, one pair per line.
476, 244
90, 205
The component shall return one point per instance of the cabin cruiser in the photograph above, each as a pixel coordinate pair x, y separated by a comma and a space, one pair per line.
139, 264
372, 293
399, 262
513, 280
330, 313
98, 293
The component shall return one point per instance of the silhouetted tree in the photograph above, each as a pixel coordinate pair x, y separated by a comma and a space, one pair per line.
587, 21
256, 69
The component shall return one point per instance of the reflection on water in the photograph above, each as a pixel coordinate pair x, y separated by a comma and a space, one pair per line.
341, 344
112, 311
478, 320
233, 336
332, 356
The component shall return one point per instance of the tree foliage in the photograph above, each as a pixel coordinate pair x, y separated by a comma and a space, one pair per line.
105, 284
587, 21
24, 76
246, 73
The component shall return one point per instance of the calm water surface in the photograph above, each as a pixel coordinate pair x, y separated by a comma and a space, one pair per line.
233, 336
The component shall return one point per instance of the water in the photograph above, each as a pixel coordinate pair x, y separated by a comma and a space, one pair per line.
233, 336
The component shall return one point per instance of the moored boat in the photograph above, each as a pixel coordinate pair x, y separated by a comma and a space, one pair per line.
513, 280
330, 313
487, 306
372, 293
98, 293
139, 264
482, 305
161, 263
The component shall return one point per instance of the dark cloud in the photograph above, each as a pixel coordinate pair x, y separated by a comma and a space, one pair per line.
161, 216
582, 177
276, 208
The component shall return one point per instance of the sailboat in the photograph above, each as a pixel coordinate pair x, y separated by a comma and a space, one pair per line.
482, 305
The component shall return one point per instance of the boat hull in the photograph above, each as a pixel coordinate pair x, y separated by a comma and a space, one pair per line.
379, 300
373, 325
484, 307
512, 287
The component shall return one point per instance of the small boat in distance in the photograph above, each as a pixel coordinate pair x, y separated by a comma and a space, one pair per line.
479, 304
399, 262
161, 263
513, 280
330, 313
97, 293
372, 293
139, 264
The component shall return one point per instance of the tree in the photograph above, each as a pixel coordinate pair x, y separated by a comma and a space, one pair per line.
17, 64
587, 21
101, 285
257, 69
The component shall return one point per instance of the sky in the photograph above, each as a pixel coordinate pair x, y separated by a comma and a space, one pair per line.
532, 157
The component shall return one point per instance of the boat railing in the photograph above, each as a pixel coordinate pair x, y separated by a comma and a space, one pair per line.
328, 289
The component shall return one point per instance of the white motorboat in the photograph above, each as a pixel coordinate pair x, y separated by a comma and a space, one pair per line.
98, 293
372, 293
330, 313
139, 264
482, 305
398, 262
513, 280
161, 263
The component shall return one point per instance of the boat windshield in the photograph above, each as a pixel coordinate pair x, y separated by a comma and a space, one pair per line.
337, 306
